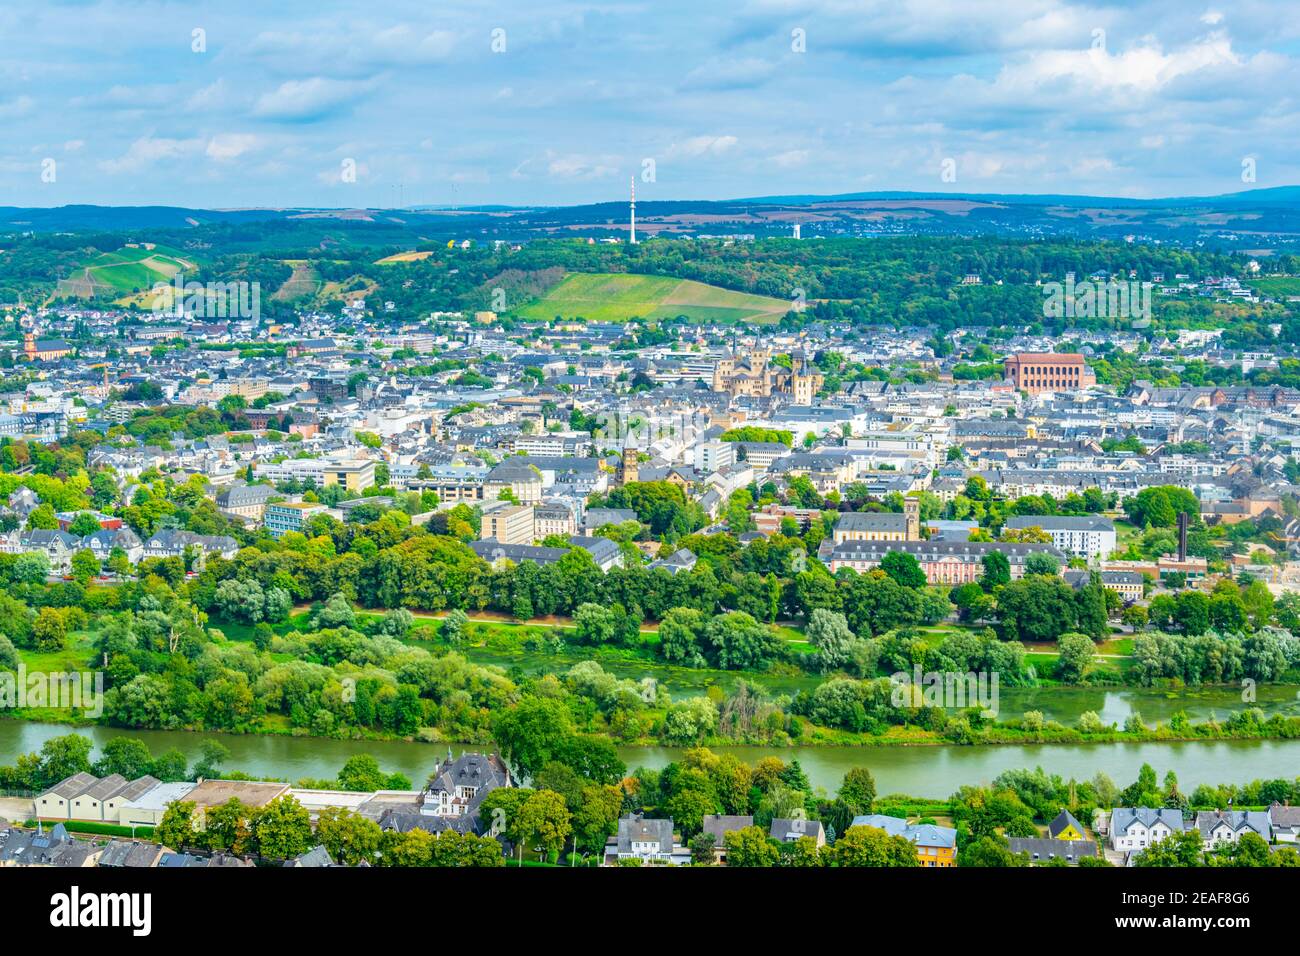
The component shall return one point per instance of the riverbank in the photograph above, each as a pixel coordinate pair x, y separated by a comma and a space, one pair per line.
1242, 726
1044, 713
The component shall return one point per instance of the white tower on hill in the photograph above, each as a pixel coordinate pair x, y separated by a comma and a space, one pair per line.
632, 222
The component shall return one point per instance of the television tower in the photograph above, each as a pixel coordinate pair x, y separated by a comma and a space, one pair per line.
632, 209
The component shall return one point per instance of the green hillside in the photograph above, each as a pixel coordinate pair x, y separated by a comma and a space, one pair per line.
615, 297
130, 270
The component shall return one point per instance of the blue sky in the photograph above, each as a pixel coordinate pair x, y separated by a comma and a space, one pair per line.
110, 100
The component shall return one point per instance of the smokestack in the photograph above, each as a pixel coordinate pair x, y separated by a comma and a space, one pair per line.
1182, 536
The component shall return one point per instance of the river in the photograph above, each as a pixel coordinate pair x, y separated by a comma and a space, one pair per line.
918, 771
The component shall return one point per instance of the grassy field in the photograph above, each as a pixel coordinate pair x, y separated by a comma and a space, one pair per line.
1277, 285
607, 297
412, 256
128, 273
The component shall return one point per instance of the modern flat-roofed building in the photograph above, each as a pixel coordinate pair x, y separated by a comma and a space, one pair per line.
513, 524
213, 793
356, 475
147, 809
1087, 536
285, 516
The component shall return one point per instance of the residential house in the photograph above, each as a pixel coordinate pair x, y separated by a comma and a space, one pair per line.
1066, 827
459, 785
792, 829
53, 847
172, 543
683, 559
1136, 828
936, 846
718, 826
1223, 827
649, 841
103, 543
135, 854
58, 546
1042, 850
317, 856
1285, 821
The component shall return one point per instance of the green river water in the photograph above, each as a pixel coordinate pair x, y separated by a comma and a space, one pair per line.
919, 771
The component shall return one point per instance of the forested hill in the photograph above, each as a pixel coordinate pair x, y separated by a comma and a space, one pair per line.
1251, 217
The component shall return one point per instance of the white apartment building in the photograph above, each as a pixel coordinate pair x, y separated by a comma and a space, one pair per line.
1085, 536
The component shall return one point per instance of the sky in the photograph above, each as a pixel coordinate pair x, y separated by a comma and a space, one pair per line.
383, 104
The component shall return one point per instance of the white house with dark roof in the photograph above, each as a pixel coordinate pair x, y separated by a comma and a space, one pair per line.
102, 544
650, 841
1136, 828
173, 543
1225, 827
459, 785
1285, 821
58, 546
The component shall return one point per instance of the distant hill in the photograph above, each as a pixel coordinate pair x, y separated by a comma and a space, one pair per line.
610, 297
1259, 216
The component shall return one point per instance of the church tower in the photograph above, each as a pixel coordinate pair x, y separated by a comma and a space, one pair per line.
630, 467
912, 509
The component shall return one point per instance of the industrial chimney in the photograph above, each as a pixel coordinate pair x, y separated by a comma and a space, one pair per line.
1182, 536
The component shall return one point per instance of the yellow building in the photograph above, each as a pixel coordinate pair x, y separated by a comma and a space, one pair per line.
354, 476
936, 846
1066, 827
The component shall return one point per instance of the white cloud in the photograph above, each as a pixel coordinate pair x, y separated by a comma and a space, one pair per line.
149, 150
790, 158
729, 74
227, 146
567, 166
698, 146
308, 99
18, 106
1142, 69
